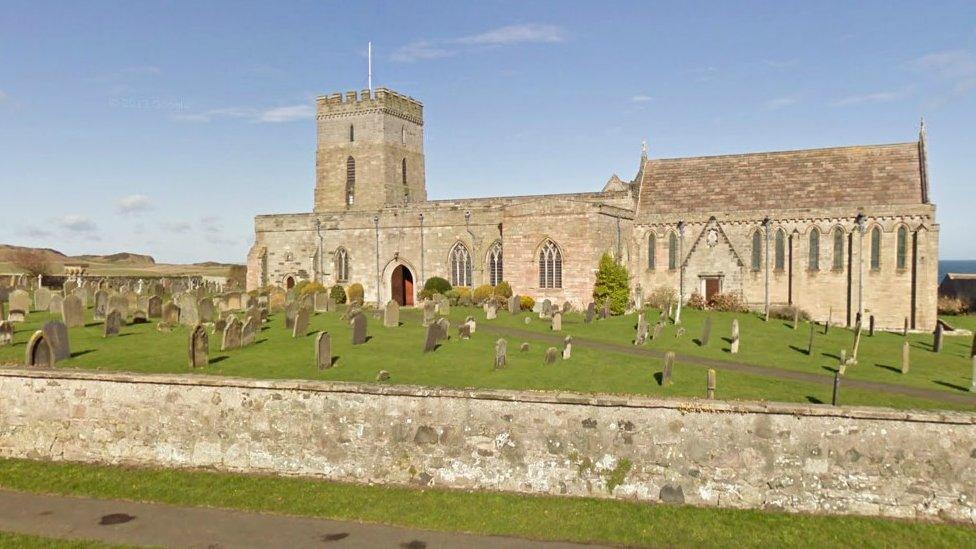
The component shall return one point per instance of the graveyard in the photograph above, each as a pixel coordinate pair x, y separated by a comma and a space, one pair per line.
782, 363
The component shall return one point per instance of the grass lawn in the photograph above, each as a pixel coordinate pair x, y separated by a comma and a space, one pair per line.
10, 539
549, 518
468, 364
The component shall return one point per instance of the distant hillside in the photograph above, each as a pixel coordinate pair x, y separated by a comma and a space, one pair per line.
118, 264
123, 257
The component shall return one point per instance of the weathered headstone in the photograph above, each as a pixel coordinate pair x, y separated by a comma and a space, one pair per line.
206, 309
796, 317
524, 347
639, 297
471, 324
501, 353
39, 353
291, 311
567, 347
101, 304
54, 307
73, 312
515, 304
464, 331
113, 323
658, 327
20, 304
320, 301
552, 354
491, 311
139, 316
905, 357
154, 307
199, 347
6, 333
57, 334
432, 337
830, 317
119, 303
430, 312
358, 323
706, 332
668, 369
835, 395
232, 335
391, 314
842, 367
857, 342
189, 309
444, 308
813, 333
300, 326
323, 351
445, 328
171, 313
545, 310
383, 375
734, 348
710, 384
42, 299
557, 321
937, 338
249, 330
590, 311
641, 336
605, 310
871, 326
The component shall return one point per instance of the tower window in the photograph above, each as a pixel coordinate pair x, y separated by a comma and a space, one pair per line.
460, 262
352, 133
350, 180
495, 264
550, 266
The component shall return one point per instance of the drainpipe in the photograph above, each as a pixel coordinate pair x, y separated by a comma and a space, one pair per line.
318, 268
423, 277
474, 245
376, 225
861, 222
767, 224
681, 271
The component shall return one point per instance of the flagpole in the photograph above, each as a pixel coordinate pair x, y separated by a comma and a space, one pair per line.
369, 54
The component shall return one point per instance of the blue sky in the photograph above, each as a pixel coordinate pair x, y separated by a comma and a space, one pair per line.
163, 128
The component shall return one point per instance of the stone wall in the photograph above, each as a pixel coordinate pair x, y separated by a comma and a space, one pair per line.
817, 459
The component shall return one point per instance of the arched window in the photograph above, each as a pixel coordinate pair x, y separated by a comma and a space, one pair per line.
550, 266
460, 263
350, 180
495, 272
352, 133
815, 250
902, 248
651, 251
403, 135
672, 251
341, 259
403, 170
780, 250
876, 249
838, 248
756, 250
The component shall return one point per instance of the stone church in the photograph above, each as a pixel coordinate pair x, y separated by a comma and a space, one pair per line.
835, 231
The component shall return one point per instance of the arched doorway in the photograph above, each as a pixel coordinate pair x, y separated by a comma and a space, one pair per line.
289, 282
401, 286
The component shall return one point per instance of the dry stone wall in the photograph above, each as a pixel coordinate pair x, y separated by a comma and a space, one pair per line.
795, 458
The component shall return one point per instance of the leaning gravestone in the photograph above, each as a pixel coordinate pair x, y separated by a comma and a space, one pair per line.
232, 335
39, 353
391, 314
552, 354
706, 332
358, 323
323, 351
905, 357
431, 337
101, 304
445, 328
291, 311
936, 339
501, 353
199, 347
590, 312
113, 323
641, 337
557, 321
72, 312
249, 330
300, 327
668, 368
154, 307
57, 333
42, 299
55, 306
171, 313
6, 333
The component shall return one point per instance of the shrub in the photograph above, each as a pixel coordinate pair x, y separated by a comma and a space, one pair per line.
437, 285
786, 312
338, 293
526, 303
482, 293
661, 296
459, 296
425, 294
952, 306
310, 288
731, 303
613, 284
355, 293
503, 290
696, 301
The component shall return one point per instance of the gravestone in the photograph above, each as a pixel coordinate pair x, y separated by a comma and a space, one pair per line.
830, 318
472, 325
972, 349
199, 347
590, 311
445, 328
39, 353
219, 325
444, 308
871, 326
232, 335
734, 349
72, 312
658, 328
464, 331
546, 309
19, 305
57, 334
710, 384
491, 311
501, 353
6, 333
605, 310
843, 361
323, 351
189, 310
557, 321
154, 307
567, 347
249, 330
320, 302
813, 332
431, 337
857, 341
796, 317
706, 332
430, 312
515, 304
905, 357
171, 313
54, 307
937, 338
42, 299
291, 311
552, 354
668, 369
82, 294
639, 297
139, 316
300, 327
113, 323
119, 303
641, 337
132, 299
205, 308
101, 304
835, 395
391, 314
358, 323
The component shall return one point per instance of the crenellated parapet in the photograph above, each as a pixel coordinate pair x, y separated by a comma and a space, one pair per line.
381, 100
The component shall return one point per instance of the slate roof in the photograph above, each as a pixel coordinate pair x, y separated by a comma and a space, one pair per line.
813, 178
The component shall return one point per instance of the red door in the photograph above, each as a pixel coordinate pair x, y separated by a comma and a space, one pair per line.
712, 287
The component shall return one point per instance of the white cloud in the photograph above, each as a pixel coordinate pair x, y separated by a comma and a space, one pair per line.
177, 226
287, 114
225, 112
133, 203
509, 35
35, 232
641, 98
77, 223
781, 103
780, 64
955, 68
877, 97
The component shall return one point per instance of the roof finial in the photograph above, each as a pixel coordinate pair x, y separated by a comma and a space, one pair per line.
921, 127
643, 148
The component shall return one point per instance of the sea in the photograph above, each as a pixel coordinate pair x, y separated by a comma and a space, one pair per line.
956, 266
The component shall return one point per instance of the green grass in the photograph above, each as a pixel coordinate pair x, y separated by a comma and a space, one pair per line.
468, 364
548, 518
10, 539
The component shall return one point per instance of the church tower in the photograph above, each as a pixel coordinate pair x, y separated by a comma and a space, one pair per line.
370, 151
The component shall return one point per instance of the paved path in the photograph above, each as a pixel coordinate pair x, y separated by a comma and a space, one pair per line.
133, 523
753, 369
